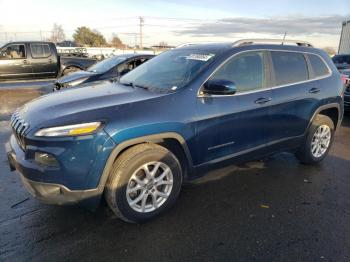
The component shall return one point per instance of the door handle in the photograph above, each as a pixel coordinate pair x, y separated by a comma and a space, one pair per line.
314, 90
50, 60
263, 100
25, 61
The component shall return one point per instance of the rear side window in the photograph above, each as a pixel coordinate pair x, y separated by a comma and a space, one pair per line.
40, 50
245, 70
289, 67
318, 66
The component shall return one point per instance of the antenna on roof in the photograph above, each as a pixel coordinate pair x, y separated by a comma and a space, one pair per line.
284, 37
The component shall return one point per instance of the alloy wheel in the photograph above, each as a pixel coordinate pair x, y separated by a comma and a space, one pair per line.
149, 187
321, 141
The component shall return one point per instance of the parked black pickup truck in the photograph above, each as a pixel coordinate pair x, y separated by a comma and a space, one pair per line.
36, 60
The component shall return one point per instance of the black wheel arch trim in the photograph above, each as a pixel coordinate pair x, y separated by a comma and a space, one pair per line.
328, 106
156, 138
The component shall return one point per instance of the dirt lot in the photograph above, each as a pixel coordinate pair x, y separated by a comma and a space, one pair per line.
273, 210
15, 94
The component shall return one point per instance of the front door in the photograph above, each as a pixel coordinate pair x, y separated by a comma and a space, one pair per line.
14, 63
230, 125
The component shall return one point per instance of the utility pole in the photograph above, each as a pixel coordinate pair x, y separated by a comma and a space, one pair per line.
135, 42
141, 25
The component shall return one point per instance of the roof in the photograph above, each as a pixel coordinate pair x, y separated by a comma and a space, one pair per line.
29, 42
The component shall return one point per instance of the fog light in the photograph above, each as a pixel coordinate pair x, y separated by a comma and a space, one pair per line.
45, 159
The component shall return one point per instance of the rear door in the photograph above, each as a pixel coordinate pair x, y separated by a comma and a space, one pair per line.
44, 60
14, 62
292, 95
229, 125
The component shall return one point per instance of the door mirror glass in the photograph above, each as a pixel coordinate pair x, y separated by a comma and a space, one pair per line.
219, 87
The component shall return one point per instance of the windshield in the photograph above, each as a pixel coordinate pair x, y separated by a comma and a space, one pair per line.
107, 64
341, 59
170, 70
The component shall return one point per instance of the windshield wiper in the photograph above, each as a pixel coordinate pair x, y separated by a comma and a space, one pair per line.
133, 85
127, 84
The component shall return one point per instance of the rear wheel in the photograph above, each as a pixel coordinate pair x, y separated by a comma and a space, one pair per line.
318, 140
144, 182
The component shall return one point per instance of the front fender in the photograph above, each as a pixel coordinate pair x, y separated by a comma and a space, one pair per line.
154, 138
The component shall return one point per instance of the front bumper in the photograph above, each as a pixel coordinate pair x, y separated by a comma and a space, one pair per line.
76, 178
51, 193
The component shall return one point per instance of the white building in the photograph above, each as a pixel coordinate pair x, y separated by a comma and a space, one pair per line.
344, 45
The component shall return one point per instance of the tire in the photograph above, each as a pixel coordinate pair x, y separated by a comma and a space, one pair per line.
306, 154
70, 69
128, 169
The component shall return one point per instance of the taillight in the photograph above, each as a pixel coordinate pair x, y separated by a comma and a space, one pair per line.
344, 78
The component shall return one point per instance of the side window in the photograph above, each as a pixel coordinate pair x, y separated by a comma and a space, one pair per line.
40, 50
13, 52
125, 67
140, 61
318, 66
245, 70
289, 67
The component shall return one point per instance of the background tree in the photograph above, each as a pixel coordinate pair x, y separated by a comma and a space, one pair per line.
84, 36
57, 34
163, 44
330, 50
116, 42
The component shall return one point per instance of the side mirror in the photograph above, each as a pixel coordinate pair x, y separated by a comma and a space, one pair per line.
219, 87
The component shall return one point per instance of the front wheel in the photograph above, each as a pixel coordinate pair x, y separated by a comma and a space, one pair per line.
144, 182
318, 141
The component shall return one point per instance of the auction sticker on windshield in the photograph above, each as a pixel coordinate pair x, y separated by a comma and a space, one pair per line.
200, 57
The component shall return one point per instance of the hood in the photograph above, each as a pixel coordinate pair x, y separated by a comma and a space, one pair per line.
97, 102
75, 76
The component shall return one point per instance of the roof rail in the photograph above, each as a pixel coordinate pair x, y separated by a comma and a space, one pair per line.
195, 43
281, 41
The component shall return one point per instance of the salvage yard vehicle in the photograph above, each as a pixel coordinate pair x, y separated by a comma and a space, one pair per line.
37, 60
172, 118
111, 68
342, 61
346, 74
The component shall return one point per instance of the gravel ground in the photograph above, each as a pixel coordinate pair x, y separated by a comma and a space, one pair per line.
272, 210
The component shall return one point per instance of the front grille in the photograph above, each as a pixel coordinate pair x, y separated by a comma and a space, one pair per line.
19, 128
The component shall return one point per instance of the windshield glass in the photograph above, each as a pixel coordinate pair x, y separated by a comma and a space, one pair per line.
170, 70
105, 65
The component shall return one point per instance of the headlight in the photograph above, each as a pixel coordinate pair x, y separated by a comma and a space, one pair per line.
76, 82
71, 130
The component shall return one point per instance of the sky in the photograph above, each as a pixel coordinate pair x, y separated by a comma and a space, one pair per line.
180, 21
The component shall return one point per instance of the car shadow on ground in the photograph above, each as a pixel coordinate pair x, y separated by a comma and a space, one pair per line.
262, 209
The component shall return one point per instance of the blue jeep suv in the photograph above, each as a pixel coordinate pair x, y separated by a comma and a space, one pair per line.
172, 118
